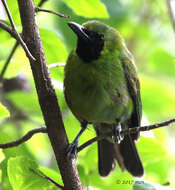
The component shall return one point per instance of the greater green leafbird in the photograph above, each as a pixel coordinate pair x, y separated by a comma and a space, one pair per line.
101, 88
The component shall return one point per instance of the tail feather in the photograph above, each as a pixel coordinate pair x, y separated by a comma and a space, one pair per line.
130, 156
124, 153
106, 162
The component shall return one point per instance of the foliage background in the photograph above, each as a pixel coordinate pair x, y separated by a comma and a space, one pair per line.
147, 29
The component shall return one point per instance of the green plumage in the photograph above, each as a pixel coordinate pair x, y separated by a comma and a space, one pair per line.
105, 89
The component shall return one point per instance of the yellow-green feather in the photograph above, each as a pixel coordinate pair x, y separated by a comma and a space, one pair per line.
92, 89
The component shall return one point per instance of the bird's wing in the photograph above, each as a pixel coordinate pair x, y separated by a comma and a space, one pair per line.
134, 90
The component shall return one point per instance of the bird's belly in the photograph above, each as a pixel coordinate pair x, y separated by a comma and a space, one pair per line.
96, 105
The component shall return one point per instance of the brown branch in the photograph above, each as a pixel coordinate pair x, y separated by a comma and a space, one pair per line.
8, 60
8, 29
37, 9
47, 97
17, 35
127, 131
171, 12
23, 139
41, 174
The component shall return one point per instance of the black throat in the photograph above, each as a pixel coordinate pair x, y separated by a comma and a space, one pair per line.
90, 50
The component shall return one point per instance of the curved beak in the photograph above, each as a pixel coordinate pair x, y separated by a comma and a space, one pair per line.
78, 30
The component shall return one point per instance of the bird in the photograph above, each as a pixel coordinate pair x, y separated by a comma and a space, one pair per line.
101, 87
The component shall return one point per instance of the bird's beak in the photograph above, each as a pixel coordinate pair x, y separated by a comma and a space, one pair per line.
79, 31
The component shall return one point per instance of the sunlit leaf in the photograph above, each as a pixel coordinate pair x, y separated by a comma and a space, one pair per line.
162, 61
4, 177
23, 100
56, 176
3, 111
22, 177
157, 97
19, 62
155, 158
54, 49
90, 8
14, 11
2, 156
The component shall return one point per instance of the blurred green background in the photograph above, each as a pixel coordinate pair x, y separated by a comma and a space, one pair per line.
147, 29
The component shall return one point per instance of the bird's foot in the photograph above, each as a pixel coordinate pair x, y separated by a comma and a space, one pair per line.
117, 137
72, 149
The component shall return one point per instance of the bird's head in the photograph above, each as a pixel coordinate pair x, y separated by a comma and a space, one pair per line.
94, 38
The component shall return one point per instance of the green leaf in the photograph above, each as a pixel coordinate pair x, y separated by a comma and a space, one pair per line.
19, 62
54, 49
3, 111
52, 174
2, 156
14, 11
5, 183
22, 176
5, 36
156, 160
90, 8
0, 175
23, 101
162, 61
116, 180
157, 96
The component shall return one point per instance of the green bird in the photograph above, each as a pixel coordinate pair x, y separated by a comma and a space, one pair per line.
101, 87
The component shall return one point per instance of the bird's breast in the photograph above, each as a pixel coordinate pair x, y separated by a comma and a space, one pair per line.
92, 101
96, 92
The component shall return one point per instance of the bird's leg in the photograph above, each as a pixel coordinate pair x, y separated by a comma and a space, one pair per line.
117, 137
72, 148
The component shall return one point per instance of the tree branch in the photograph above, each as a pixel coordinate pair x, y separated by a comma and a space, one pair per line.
127, 131
171, 12
8, 29
37, 9
24, 138
47, 97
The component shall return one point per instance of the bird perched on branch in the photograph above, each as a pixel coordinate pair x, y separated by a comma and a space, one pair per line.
101, 87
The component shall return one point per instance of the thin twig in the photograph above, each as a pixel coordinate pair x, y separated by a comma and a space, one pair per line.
41, 174
171, 11
9, 30
56, 65
18, 37
37, 9
8, 60
127, 131
8, 14
24, 138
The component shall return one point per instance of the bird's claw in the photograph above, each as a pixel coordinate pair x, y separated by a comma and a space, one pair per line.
117, 137
72, 150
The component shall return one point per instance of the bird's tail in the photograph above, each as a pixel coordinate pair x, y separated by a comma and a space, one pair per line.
124, 153
106, 161
131, 159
